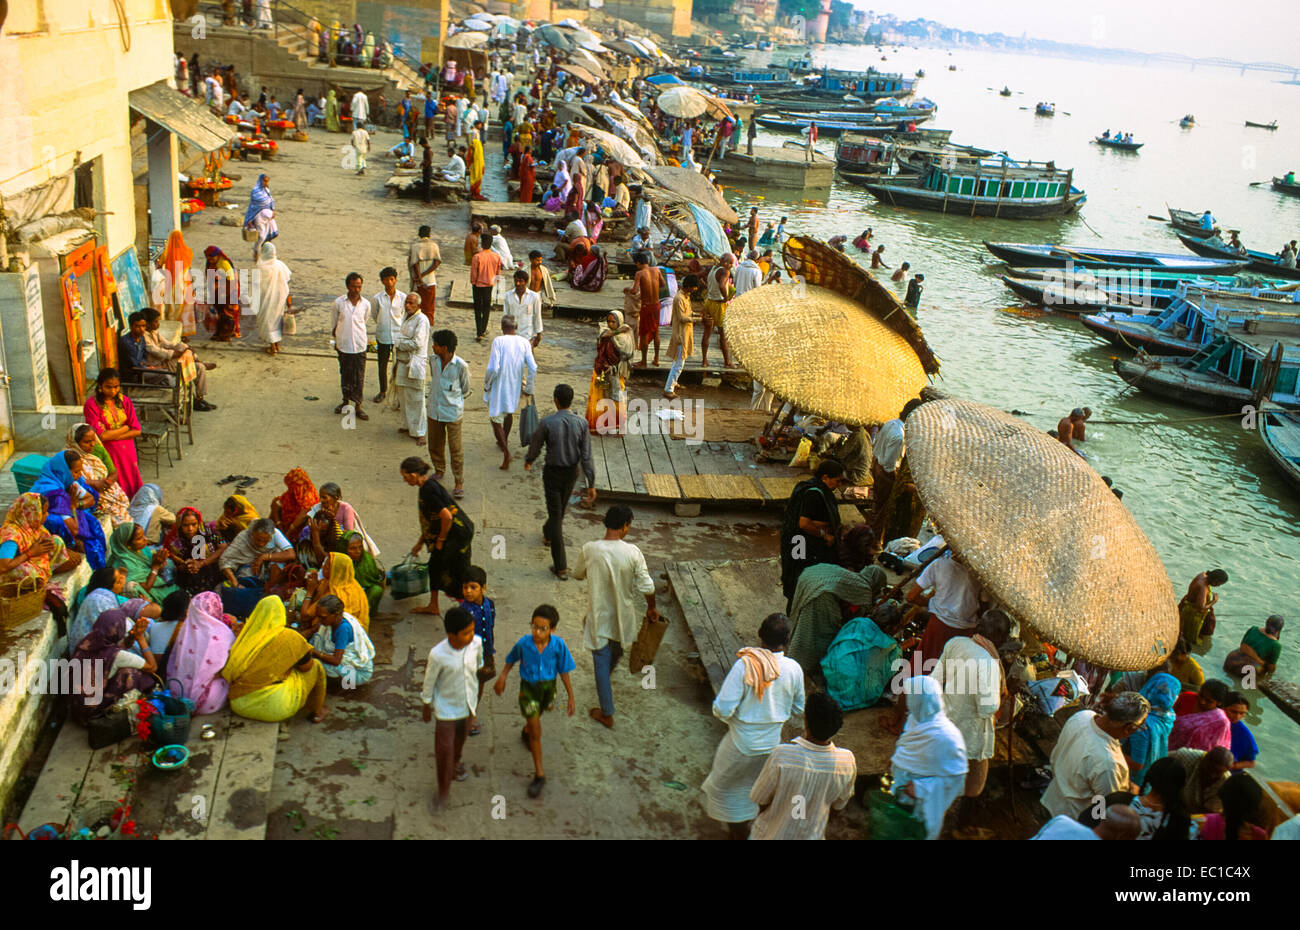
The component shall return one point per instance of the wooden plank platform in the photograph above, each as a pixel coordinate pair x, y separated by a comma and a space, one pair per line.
703, 473
1285, 694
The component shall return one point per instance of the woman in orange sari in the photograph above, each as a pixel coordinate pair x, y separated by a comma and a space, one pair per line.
222, 293
294, 503
527, 175
178, 299
27, 549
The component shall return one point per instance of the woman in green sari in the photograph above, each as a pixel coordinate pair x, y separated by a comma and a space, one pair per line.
127, 551
367, 571
332, 112
816, 608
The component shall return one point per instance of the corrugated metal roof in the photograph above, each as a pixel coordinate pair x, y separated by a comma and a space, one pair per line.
187, 118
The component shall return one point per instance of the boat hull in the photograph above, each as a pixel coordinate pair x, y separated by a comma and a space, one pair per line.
1171, 382
1134, 336
1285, 188
1256, 261
1061, 258
901, 196
1119, 146
1281, 435
1261, 125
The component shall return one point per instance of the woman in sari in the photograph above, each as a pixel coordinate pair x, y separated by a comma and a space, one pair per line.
1151, 741
178, 298
194, 548
27, 549
274, 300
338, 577
104, 592
607, 394
319, 537
573, 203
445, 529
70, 507
97, 471
563, 182
127, 550
112, 669
147, 511
475, 152
111, 415
527, 175
300, 110
929, 762
236, 514
366, 570
332, 112
290, 509
271, 671
816, 611
368, 50
198, 652
222, 294
594, 220
589, 271
260, 215
1203, 730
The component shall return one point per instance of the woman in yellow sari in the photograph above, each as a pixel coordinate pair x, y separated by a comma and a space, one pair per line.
236, 514
271, 671
338, 577
475, 168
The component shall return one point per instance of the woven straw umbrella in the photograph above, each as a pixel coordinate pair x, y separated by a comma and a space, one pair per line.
623, 153
825, 353
1040, 529
693, 186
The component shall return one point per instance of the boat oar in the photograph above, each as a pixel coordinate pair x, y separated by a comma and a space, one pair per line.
1258, 183
1159, 219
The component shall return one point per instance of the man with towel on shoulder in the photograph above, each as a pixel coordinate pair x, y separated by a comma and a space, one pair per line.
761, 692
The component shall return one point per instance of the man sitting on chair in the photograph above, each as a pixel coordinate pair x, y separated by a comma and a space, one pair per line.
167, 355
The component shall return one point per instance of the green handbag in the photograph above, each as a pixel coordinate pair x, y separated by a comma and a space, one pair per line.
887, 819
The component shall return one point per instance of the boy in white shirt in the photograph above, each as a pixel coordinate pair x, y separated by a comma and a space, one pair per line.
451, 694
361, 142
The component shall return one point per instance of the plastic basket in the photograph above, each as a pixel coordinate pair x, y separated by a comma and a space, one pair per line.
95, 814
410, 578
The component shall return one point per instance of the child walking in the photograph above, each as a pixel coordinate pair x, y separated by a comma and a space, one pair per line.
451, 694
541, 656
484, 611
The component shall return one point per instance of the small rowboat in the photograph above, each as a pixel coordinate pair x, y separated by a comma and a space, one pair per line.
1280, 430
1256, 260
1272, 125
1282, 186
1054, 256
1041, 110
1122, 146
1005, 92
1187, 122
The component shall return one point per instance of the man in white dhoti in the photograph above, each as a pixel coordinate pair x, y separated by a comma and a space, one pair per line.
411, 343
503, 282
761, 692
500, 87
273, 298
617, 581
970, 673
511, 370
455, 170
360, 109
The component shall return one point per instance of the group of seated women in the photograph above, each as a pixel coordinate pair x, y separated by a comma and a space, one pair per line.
206, 603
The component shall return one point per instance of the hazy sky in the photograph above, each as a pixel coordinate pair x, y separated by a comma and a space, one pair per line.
1200, 28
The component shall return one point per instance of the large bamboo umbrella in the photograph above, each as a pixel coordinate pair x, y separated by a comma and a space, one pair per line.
692, 186
467, 40
683, 102
1044, 534
621, 152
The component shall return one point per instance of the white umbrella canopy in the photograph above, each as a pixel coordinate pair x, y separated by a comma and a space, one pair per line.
684, 102
581, 56
618, 149
477, 25
467, 40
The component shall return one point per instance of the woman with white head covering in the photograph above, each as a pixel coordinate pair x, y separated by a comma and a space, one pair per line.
273, 298
929, 762
148, 512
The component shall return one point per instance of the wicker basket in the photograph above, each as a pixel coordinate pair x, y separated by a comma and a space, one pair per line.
20, 601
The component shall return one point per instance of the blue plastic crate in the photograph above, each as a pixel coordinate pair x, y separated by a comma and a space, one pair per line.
26, 469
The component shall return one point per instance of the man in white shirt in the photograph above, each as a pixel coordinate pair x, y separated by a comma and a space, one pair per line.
641, 241
520, 111
510, 367
422, 262
450, 694
361, 144
386, 313
747, 275
887, 447
1088, 761
360, 109
348, 324
447, 407
526, 307
617, 579
953, 602
761, 692
455, 169
235, 107
805, 779
411, 374
970, 673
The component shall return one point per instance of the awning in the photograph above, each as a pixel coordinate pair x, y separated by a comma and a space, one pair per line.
176, 113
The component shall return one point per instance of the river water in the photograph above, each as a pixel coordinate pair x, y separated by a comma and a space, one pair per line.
1204, 491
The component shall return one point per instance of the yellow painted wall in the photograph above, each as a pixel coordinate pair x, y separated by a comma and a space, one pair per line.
66, 80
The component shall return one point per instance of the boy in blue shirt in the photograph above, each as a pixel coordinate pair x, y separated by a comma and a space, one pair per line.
475, 600
540, 656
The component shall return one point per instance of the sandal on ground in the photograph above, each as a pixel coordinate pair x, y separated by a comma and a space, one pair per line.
535, 789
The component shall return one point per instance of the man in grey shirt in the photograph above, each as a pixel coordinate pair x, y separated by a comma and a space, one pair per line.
568, 445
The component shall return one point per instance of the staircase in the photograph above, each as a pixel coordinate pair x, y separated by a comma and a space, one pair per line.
296, 41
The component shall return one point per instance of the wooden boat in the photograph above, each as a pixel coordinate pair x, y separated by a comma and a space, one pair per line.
790, 122
1188, 222
1285, 694
1193, 320
1272, 125
869, 85
762, 79
952, 67
1081, 292
1235, 369
1005, 92
1044, 109
986, 187
1287, 187
1280, 430
920, 72
1187, 122
1052, 256
869, 156
1263, 262
1116, 144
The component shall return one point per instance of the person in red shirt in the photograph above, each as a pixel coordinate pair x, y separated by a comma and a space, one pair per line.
483, 270
812, 141
1212, 694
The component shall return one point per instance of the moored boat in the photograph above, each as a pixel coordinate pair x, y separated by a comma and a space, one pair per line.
830, 128
869, 85
1193, 320
1235, 369
858, 155
1053, 256
1263, 262
1280, 430
998, 187
1120, 288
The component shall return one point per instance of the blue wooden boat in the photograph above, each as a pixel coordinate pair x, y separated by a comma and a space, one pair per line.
1235, 369
830, 128
870, 85
1189, 222
1045, 109
1280, 430
1060, 256
999, 187
1257, 261
1193, 320
1084, 291
1117, 144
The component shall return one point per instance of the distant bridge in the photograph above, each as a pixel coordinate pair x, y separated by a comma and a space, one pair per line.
1166, 58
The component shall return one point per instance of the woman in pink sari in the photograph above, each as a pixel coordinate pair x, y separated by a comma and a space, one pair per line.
199, 653
1203, 731
111, 415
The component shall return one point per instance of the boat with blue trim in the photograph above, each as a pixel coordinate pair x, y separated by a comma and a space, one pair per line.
1046, 255
1237, 368
1194, 318
997, 187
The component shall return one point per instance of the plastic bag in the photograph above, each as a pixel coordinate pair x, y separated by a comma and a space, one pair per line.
801, 454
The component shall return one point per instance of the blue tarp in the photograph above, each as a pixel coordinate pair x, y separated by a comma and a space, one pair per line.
661, 79
712, 239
